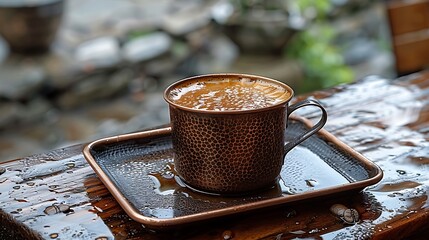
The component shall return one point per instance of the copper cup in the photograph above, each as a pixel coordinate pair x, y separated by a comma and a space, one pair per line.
233, 151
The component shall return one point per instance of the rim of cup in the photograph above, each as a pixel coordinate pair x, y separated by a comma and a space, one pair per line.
226, 75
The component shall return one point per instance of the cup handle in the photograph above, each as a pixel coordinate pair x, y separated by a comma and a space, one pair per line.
288, 146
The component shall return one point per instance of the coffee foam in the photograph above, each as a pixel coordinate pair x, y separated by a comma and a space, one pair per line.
228, 94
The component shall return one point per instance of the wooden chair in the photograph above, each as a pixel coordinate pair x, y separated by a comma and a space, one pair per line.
409, 25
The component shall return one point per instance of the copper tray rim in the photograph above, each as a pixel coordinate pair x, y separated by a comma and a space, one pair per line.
370, 166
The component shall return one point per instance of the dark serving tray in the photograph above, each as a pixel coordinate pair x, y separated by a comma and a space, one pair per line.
138, 170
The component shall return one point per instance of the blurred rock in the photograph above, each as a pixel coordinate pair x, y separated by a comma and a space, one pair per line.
62, 70
15, 145
99, 53
9, 112
74, 127
147, 47
222, 11
15, 113
359, 50
169, 79
218, 55
95, 87
188, 17
282, 69
34, 110
152, 112
120, 110
4, 50
260, 31
21, 81
118, 81
83, 24
168, 63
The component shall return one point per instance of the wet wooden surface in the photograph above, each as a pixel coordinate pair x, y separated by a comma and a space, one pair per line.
57, 195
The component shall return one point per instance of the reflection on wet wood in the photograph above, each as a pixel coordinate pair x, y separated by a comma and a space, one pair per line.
57, 195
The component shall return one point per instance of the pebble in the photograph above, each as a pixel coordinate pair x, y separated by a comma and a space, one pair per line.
3, 50
99, 53
9, 113
146, 47
54, 209
227, 234
180, 23
96, 87
21, 80
348, 215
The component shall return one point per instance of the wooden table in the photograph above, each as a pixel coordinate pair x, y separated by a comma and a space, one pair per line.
385, 120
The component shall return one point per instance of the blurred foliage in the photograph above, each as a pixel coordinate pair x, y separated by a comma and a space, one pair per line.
313, 45
246, 5
313, 9
322, 61
138, 33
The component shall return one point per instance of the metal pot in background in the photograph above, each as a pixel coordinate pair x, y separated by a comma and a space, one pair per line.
255, 29
30, 26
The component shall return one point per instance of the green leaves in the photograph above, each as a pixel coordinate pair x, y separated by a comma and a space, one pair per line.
322, 62
318, 9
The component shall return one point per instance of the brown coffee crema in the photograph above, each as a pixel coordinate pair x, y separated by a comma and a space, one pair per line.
228, 94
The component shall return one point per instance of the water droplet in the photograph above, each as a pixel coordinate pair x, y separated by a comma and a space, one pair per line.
388, 187
2, 180
165, 181
290, 213
102, 238
98, 209
402, 172
16, 187
15, 169
70, 164
53, 186
30, 184
311, 182
227, 234
2, 170
53, 235
168, 175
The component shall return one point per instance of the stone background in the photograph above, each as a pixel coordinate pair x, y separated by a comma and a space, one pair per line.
111, 60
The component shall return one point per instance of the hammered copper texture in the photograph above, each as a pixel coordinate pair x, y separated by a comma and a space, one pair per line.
228, 153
